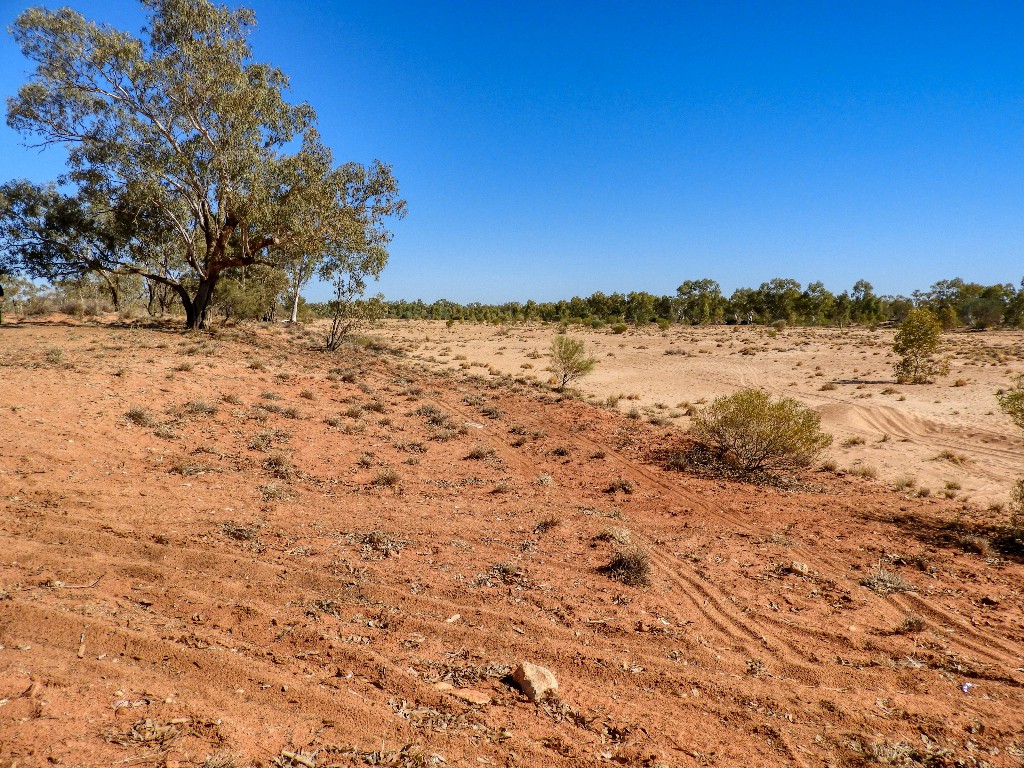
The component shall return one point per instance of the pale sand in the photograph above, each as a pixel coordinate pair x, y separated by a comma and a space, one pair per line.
904, 428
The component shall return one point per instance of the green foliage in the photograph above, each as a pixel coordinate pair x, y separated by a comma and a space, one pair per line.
182, 150
916, 342
752, 432
699, 302
1012, 402
569, 360
348, 312
250, 293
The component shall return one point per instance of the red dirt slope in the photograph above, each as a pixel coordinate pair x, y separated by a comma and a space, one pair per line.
232, 550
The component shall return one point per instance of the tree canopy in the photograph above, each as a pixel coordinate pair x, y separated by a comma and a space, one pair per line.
181, 157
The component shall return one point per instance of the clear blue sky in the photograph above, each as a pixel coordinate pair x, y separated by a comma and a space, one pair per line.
551, 149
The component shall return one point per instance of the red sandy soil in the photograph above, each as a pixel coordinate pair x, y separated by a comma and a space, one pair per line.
341, 564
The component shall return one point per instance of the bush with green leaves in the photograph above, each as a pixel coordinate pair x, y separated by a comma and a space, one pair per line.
916, 342
1012, 404
569, 360
752, 432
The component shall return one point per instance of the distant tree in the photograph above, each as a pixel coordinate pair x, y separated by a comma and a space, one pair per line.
779, 299
250, 293
640, 307
816, 303
948, 317
842, 310
897, 307
1014, 314
184, 135
569, 360
699, 302
743, 306
867, 307
916, 342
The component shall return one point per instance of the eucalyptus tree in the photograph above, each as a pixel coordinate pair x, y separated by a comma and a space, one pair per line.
180, 133
699, 302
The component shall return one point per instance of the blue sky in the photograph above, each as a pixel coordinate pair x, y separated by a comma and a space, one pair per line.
551, 149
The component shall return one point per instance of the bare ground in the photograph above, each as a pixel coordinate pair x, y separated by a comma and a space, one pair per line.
947, 432
233, 550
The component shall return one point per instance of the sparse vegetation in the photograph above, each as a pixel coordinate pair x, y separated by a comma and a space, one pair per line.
620, 484
140, 416
886, 582
910, 625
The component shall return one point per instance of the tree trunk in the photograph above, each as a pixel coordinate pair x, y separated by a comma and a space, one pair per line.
199, 315
115, 298
295, 307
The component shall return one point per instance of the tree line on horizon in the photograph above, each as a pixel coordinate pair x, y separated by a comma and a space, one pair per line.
955, 302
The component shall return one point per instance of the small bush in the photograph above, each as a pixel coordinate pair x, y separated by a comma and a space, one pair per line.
138, 415
388, 478
480, 452
569, 360
752, 432
631, 567
911, 624
977, 545
546, 524
278, 464
952, 458
864, 470
620, 484
886, 582
1012, 402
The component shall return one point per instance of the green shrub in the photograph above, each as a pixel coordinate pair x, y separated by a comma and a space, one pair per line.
916, 342
1012, 402
569, 360
752, 432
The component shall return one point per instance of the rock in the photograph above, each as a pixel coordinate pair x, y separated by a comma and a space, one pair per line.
472, 696
534, 681
800, 568
989, 600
